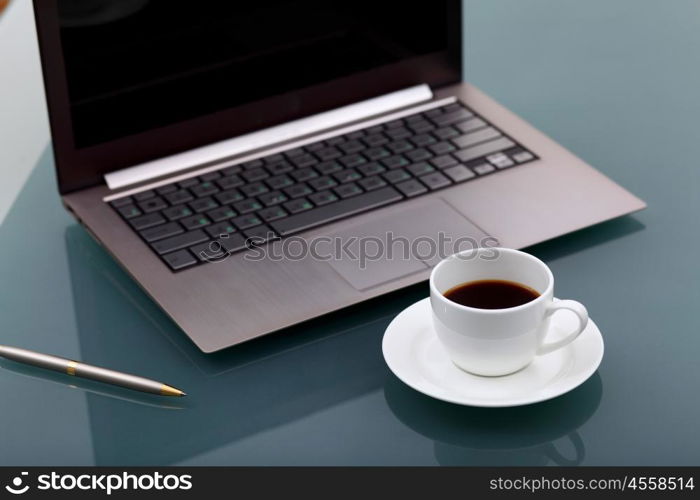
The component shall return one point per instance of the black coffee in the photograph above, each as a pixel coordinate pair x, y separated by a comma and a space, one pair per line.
491, 294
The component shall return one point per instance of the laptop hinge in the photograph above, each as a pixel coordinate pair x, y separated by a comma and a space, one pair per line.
264, 138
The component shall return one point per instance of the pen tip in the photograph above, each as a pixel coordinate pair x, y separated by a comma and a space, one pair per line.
167, 390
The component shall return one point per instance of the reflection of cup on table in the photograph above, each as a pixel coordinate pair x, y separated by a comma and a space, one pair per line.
538, 434
499, 340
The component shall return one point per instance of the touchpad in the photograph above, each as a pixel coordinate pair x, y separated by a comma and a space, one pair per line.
400, 243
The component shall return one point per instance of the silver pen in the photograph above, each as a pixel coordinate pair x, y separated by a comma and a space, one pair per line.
78, 369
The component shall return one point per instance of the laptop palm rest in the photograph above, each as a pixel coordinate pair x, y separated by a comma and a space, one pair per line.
402, 243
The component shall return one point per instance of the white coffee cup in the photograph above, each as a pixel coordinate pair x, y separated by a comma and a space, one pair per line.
495, 342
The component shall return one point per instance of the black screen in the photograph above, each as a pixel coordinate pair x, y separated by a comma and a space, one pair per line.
131, 67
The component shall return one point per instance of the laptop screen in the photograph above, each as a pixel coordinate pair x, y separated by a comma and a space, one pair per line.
157, 77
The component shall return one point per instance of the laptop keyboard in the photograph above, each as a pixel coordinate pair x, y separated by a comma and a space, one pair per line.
301, 188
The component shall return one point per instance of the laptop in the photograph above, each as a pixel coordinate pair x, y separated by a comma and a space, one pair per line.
256, 165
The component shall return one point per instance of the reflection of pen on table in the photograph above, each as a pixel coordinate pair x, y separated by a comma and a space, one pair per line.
78, 369
89, 386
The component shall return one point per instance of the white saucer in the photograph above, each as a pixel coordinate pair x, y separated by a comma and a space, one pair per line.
416, 356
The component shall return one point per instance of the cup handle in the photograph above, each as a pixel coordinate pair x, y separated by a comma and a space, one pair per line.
569, 305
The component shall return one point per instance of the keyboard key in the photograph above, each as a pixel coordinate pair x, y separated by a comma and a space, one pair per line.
443, 161
304, 160
295, 152
315, 146
144, 195
245, 206
230, 181
177, 212
351, 146
254, 189
442, 148
298, 190
422, 140
371, 183
435, 180
255, 174
232, 243
523, 156
420, 168
371, 168
398, 133
181, 196
216, 230
395, 162
328, 167
192, 181
304, 174
279, 181
195, 221
411, 188
334, 211
419, 154
467, 140
471, 125
203, 204
234, 169
179, 260
451, 117
252, 164
246, 221
204, 189
259, 235
272, 213
273, 158
146, 221
445, 133
298, 205
348, 190
459, 173
396, 176
179, 242
452, 107
170, 188
352, 160
120, 202
358, 134
273, 198
228, 197
282, 167
347, 175
324, 182
210, 251
500, 160
399, 146
221, 213
328, 153
420, 126
484, 168
129, 211
152, 204
484, 149
210, 176
376, 153
375, 139
162, 231
394, 124
323, 198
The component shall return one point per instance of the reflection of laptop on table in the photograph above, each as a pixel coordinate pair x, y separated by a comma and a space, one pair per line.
175, 126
